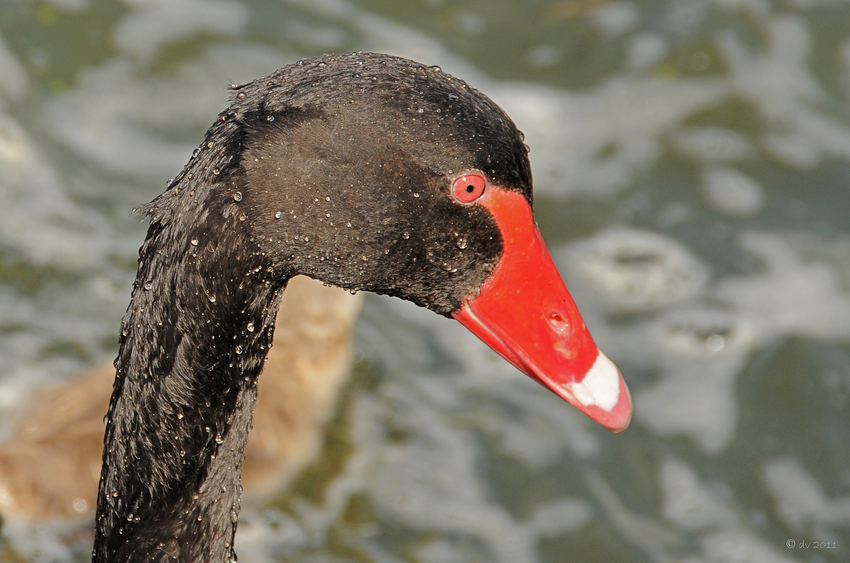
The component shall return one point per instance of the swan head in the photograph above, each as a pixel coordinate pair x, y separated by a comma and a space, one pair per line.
375, 173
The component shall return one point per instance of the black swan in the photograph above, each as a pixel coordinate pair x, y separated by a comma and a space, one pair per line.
365, 171
50, 465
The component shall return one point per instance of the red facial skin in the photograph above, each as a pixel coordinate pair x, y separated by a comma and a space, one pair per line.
525, 313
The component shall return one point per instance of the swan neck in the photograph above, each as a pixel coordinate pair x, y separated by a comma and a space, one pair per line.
192, 345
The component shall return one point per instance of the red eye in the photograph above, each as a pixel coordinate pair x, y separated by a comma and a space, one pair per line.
468, 188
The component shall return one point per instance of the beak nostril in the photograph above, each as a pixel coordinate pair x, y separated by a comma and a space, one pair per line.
558, 323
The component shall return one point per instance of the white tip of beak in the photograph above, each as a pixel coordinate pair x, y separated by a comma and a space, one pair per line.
600, 386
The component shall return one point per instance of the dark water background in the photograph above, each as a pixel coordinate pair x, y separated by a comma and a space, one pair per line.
691, 163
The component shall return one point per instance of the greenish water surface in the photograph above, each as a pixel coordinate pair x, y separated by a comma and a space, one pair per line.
691, 163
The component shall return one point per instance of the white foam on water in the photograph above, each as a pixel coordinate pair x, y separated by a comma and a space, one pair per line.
122, 119
431, 482
699, 350
721, 531
150, 26
15, 81
616, 18
793, 150
648, 535
572, 133
37, 217
695, 393
646, 50
71, 6
732, 192
108, 117
802, 502
329, 37
543, 56
799, 292
693, 334
687, 501
712, 144
780, 84
594, 142
633, 270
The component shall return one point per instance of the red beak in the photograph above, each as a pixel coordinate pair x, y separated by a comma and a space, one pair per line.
525, 313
